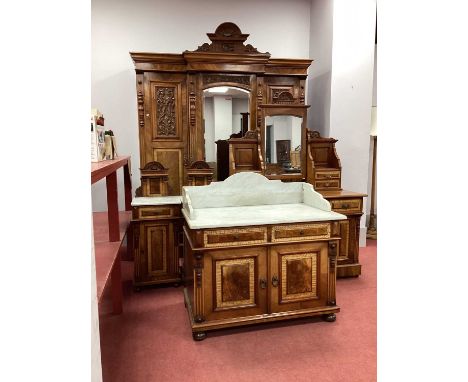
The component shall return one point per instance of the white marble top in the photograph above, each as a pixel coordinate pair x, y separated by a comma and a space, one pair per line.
258, 215
156, 200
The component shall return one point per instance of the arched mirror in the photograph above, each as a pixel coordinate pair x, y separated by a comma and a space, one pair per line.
225, 114
283, 144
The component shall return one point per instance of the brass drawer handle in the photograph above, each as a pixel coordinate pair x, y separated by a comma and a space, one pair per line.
263, 283
275, 281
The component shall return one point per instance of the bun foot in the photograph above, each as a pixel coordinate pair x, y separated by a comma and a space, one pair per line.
199, 336
329, 317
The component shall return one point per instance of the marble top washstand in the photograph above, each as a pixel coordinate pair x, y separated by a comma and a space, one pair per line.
156, 200
248, 198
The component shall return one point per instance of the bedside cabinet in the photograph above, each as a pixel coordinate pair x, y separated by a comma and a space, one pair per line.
348, 203
157, 240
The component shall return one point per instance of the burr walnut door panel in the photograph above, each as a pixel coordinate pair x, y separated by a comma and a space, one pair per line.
157, 256
298, 276
235, 283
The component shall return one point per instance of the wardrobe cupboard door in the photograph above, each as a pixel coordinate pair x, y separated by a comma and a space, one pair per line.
165, 125
298, 276
235, 283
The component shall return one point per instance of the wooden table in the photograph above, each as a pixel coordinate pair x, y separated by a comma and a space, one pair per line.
110, 228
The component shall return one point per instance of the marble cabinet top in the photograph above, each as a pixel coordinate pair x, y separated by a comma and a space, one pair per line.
156, 200
258, 215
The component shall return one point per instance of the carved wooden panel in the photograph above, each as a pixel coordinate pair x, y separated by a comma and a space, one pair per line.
282, 94
166, 110
235, 283
299, 276
213, 79
156, 238
172, 160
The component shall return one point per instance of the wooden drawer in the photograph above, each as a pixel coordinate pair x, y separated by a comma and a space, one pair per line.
347, 205
234, 236
153, 212
299, 232
327, 175
322, 184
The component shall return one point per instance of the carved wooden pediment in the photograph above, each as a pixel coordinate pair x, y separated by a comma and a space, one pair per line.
228, 38
154, 166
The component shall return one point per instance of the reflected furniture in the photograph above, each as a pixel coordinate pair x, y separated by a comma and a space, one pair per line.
258, 250
110, 229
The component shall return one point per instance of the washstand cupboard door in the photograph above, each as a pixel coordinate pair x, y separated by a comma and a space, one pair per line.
235, 283
157, 254
298, 276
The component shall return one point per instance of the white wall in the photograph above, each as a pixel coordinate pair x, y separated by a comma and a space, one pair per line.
319, 79
351, 90
120, 26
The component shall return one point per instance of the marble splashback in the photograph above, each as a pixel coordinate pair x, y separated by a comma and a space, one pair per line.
250, 189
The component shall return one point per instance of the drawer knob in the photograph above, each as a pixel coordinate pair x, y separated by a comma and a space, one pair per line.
327, 184
236, 237
345, 205
263, 283
301, 233
275, 281
329, 176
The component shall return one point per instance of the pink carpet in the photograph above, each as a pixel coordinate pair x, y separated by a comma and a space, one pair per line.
152, 340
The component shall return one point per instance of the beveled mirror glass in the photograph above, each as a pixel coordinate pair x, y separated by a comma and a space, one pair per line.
283, 134
225, 112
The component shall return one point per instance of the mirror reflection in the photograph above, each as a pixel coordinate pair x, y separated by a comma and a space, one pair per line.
283, 144
225, 114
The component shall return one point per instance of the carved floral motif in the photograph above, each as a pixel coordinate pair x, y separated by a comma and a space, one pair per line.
214, 78
165, 102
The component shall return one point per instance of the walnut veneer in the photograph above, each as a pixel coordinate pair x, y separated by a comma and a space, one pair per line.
245, 275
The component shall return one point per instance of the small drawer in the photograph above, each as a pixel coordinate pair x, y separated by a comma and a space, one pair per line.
156, 212
327, 175
323, 184
299, 232
347, 205
235, 236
